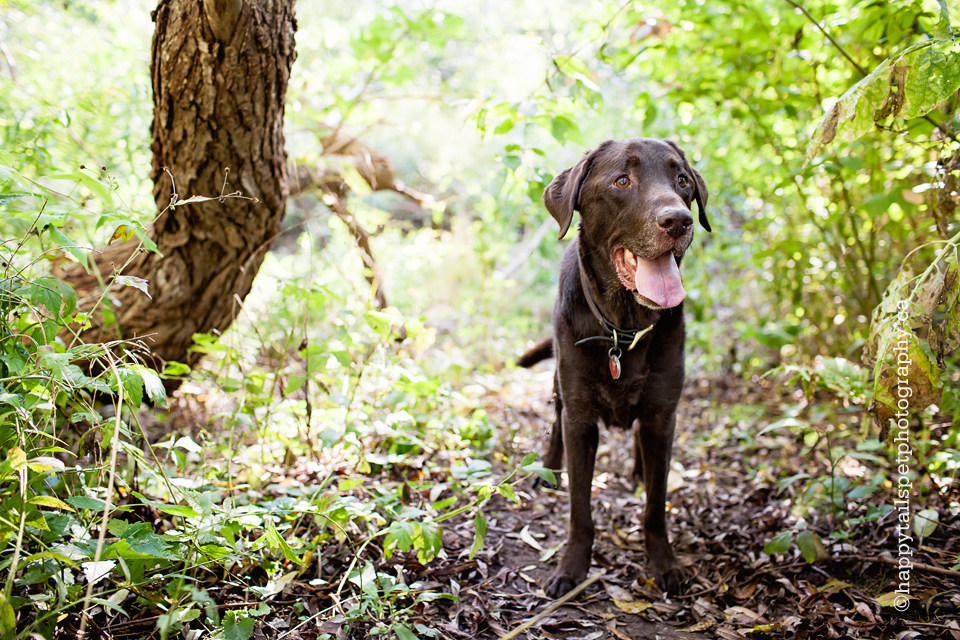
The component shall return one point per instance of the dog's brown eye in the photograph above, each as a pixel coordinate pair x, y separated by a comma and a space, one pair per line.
682, 180
623, 182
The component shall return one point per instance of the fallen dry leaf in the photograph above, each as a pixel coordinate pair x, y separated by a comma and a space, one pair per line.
636, 608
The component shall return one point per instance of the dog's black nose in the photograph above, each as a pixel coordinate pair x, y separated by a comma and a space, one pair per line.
675, 222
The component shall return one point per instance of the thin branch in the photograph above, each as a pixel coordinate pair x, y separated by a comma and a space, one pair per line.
829, 37
555, 605
922, 566
362, 238
108, 504
9, 60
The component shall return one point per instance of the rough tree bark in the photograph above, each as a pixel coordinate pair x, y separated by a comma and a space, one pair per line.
220, 70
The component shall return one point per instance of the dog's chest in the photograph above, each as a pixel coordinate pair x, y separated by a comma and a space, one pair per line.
617, 400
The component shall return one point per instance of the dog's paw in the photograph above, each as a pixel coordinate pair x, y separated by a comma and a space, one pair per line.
561, 582
669, 574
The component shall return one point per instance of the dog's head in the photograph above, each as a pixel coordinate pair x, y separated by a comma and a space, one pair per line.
634, 199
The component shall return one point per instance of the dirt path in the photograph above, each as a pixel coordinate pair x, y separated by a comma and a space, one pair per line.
726, 504
732, 491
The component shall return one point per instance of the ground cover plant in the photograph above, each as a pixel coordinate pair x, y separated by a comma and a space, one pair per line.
273, 395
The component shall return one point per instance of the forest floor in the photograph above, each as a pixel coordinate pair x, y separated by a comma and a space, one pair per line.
728, 497
725, 503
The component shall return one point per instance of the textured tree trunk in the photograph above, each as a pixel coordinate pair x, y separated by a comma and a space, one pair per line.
220, 70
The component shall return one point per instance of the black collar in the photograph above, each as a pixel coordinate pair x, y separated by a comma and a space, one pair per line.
617, 336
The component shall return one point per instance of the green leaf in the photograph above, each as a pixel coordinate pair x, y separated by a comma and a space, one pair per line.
132, 385
190, 615
571, 66
176, 369
542, 472
811, 547
144, 541
8, 620
440, 505
925, 522
779, 544
50, 501
506, 490
366, 579
95, 186
781, 424
563, 129
86, 502
505, 125
116, 526
7, 198
428, 542
403, 633
275, 541
55, 362
480, 530
153, 385
399, 536
512, 162
237, 628
67, 244
169, 509
57, 296
62, 559
135, 282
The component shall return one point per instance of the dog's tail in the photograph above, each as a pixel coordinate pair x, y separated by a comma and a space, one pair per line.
538, 352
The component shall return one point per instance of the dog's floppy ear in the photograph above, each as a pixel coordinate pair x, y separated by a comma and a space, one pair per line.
562, 196
700, 195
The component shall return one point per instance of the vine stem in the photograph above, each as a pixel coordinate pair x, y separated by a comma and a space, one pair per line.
8, 587
952, 242
815, 23
111, 475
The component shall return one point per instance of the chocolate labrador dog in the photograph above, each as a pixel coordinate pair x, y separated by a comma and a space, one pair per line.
618, 329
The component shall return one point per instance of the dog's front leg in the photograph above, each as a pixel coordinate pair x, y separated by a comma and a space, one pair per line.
580, 438
656, 444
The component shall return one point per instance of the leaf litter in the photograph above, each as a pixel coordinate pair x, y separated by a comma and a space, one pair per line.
728, 502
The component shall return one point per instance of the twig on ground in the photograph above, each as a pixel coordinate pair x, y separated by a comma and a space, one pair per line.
556, 604
916, 565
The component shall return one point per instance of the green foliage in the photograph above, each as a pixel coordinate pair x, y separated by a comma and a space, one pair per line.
906, 367
380, 415
910, 85
49, 390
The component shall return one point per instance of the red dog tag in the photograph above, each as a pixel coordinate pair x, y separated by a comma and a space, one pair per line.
614, 367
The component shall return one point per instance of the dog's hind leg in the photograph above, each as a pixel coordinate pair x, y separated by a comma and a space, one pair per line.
554, 458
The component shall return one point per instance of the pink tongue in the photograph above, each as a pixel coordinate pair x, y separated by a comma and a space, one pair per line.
659, 281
